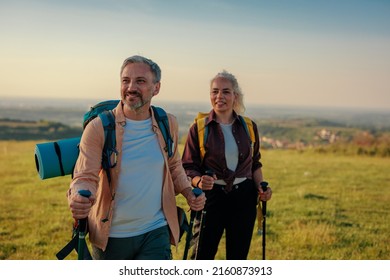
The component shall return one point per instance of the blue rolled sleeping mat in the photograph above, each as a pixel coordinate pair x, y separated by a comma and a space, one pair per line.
57, 158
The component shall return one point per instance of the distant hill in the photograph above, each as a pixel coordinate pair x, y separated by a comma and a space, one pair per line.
70, 112
35, 130
279, 127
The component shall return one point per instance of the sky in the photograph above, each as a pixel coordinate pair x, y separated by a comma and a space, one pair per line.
330, 53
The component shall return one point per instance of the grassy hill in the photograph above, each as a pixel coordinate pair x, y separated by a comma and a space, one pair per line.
324, 206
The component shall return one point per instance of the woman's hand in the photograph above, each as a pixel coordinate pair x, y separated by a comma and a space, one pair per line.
206, 182
265, 195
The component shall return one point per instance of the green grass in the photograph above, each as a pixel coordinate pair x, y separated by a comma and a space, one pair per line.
324, 206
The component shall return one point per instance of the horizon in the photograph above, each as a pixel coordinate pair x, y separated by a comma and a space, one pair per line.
85, 103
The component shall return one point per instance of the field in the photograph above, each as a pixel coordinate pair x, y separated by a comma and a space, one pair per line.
324, 207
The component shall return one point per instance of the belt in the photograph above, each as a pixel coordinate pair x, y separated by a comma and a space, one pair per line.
235, 185
236, 181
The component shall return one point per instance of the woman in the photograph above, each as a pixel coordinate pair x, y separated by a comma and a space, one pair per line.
233, 190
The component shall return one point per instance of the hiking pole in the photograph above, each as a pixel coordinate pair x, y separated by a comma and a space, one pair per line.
197, 192
202, 219
82, 229
264, 210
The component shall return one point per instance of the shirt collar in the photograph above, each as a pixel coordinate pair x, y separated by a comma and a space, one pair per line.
213, 116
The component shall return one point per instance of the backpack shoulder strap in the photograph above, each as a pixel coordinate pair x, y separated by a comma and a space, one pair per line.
202, 134
108, 121
248, 126
203, 131
163, 123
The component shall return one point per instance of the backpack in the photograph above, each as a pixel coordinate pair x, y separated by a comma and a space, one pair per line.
201, 121
104, 111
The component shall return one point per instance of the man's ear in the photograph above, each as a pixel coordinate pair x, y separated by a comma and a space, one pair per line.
157, 88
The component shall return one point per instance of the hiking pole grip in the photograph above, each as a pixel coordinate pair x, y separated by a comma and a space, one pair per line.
197, 192
83, 222
82, 228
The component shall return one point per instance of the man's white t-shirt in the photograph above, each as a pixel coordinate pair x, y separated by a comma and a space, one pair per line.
138, 207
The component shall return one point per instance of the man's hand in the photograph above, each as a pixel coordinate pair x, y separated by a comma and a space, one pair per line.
196, 203
80, 205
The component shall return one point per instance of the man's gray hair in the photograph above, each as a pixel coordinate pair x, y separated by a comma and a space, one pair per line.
140, 59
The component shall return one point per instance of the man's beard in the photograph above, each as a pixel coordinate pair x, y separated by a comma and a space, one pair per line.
139, 104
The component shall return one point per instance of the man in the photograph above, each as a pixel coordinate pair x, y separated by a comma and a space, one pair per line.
134, 216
